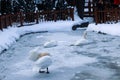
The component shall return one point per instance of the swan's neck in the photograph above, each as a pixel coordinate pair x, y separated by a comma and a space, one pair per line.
43, 54
84, 36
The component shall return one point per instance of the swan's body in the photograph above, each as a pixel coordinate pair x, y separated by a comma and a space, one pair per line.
50, 44
82, 40
34, 54
79, 42
44, 62
41, 60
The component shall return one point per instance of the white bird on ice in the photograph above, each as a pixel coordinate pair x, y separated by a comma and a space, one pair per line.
51, 43
34, 54
44, 62
82, 40
41, 60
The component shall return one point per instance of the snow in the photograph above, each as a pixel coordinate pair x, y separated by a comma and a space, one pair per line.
112, 29
11, 34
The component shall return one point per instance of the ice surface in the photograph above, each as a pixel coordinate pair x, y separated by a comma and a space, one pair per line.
65, 61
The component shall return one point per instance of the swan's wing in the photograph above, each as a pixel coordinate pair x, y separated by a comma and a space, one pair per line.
44, 62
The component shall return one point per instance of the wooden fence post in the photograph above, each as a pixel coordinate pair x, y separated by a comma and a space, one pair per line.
6, 21
105, 16
21, 19
4, 18
116, 15
118, 10
55, 16
10, 20
95, 16
72, 13
0, 23
37, 16
89, 7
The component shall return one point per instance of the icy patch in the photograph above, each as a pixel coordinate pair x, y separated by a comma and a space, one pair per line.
63, 67
94, 73
70, 61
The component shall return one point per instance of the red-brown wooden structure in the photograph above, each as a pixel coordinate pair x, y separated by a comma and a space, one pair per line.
35, 17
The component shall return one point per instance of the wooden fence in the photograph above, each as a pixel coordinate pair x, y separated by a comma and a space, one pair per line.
20, 19
89, 8
111, 15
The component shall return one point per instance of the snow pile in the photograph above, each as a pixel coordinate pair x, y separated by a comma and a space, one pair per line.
112, 29
7, 37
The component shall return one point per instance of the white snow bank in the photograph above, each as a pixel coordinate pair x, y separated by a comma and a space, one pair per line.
7, 37
112, 29
48, 26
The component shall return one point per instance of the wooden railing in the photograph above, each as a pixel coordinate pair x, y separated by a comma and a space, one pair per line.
89, 8
54, 15
21, 19
111, 15
5, 21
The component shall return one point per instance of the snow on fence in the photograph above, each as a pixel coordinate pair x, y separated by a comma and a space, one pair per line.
109, 15
20, 19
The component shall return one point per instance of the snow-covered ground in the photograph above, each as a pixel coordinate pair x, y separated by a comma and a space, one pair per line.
112, 29
69, 62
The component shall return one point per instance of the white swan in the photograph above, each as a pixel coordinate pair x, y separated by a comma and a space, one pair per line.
34, 54
51, 43
41, 60
81, 40
44, 62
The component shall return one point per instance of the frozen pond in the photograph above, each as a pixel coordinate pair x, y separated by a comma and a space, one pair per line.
97, 59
